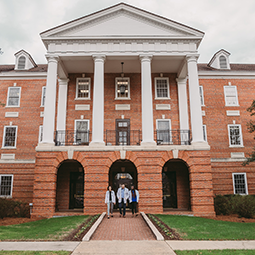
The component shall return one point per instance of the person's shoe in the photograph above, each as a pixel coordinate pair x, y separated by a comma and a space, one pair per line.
136, 215
132, 215
108, 217
120, 215
112, 215
124, 216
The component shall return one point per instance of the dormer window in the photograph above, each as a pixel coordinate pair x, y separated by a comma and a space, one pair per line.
21, 62
223, 62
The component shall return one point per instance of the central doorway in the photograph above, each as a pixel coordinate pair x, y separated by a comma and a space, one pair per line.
70, 186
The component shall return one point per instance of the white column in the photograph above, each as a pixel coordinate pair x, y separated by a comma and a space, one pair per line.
50, 101
147, 107
98, 102
62, 103
194, 98
183, 108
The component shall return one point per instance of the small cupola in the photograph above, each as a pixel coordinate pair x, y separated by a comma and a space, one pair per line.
220, 60
24, 61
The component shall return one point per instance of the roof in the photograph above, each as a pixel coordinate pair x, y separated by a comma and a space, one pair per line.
233, 67
10, 68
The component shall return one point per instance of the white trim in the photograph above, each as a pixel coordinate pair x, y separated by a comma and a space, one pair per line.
76, 92
246, 185
11, 114
40, 134
8, 156
155, 87
16, 132
116, 88
241, 136
10, 196
163, 107
226, 160
7, 101
43, 88
201, 93
170, 133
225, 96
205, 133
233, 113
17, 161
122, 107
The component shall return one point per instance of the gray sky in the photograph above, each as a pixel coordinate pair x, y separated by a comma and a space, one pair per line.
228, 24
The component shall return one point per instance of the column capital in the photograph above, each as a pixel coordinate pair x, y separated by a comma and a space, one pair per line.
63, 81
99, 57
52, 58
145, 57
192, 57
181, 81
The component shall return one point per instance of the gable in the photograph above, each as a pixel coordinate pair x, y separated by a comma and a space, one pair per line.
122, 20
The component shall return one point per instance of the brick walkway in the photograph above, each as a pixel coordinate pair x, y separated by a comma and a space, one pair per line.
128, 228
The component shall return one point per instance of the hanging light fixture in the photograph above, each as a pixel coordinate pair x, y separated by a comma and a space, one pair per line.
122, 81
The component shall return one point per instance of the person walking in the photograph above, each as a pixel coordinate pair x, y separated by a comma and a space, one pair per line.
123, 196
110, 200
134, 198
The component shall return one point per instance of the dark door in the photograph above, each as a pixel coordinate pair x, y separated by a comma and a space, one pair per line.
76, 190
169, 189
122, 132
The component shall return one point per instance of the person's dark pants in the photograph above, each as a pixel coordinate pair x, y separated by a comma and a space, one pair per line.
134, 207
122, 204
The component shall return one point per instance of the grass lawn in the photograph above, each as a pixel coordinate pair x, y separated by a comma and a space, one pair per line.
215, 252
46, 229
35, 252
195, 228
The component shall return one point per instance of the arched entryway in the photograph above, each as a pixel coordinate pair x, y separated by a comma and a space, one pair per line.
176, 185
70, 186
122, 172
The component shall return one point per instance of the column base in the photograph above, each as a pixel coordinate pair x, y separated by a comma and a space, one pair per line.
97, 144
201, 145
148, 144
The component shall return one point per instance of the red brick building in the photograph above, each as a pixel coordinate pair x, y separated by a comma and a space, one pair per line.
123, 100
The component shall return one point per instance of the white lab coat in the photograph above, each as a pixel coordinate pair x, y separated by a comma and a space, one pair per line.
107, 197
126, 195
137, 196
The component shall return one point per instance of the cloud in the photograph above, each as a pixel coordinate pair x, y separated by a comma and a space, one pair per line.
227, 24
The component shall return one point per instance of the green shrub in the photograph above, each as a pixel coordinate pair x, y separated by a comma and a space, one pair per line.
244, 206
13, 208
223, 205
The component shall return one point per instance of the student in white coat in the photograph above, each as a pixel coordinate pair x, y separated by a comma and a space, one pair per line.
123, 196
133, 199
110, 200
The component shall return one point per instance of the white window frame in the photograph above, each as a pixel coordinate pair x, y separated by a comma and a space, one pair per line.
204, 133
116, 88
241, 135
168, 88
76, 92
10, 196
43, 96
201, 93
75, 125
40, 138
10, 147
236, 95
170, 133
7, 104
246, 184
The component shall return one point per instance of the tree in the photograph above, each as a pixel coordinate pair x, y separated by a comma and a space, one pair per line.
251, 129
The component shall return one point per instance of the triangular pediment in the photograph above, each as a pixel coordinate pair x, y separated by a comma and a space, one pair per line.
122, 21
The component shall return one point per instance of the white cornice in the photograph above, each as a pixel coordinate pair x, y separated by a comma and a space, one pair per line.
27, 75
224, 75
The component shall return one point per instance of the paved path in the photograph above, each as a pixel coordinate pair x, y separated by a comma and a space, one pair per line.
128, 228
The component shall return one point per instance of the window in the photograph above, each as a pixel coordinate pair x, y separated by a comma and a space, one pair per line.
162, 88
235, 135
201, 92
204, 133
230, 95
81, 132
164, 131
10, 136
83, 88
40, 133
122, 88
240, 183
22, 62
43, 96
13, 96
223, 62
6, 183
